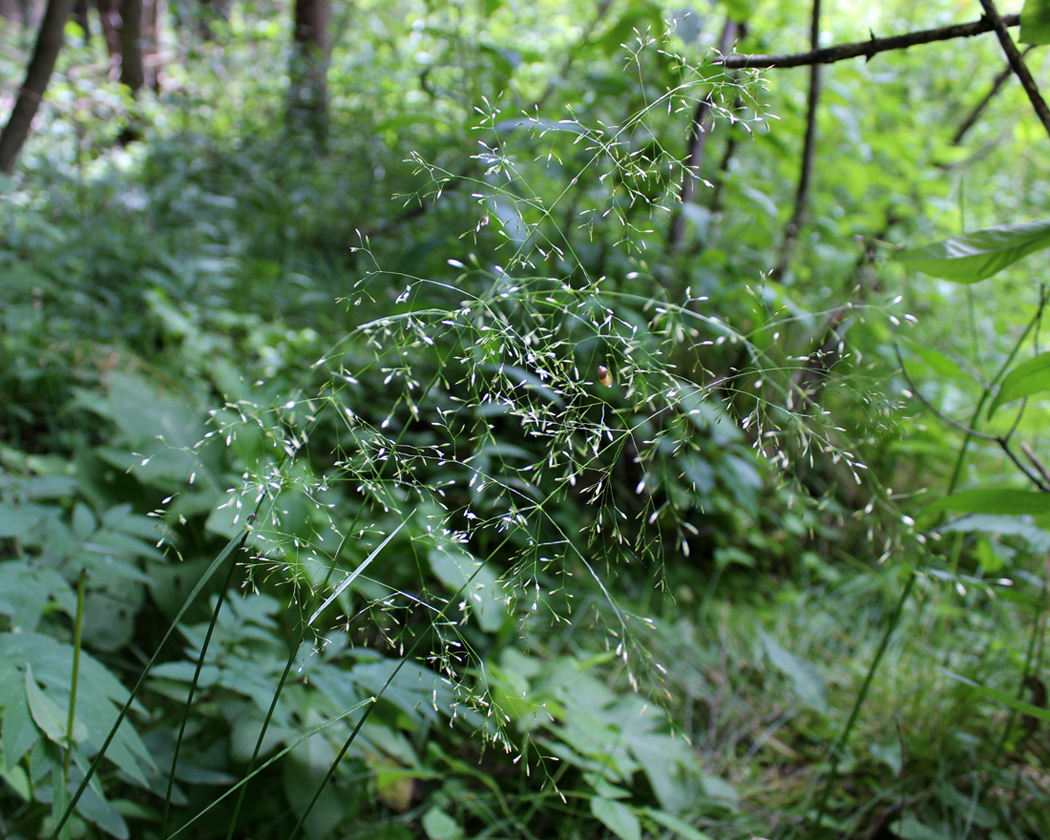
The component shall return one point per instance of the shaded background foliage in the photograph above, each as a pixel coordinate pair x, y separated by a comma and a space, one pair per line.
649, 608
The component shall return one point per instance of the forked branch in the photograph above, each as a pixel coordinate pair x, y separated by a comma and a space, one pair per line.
1017, 64
867, 49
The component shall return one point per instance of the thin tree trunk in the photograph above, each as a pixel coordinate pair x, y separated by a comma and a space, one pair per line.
38, 74
132, 67
698, 144
813, 377
798, 214
308, 70
152, 14
80, 15
109, 17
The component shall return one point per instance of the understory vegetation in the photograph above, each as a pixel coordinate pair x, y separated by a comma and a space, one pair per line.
455, 478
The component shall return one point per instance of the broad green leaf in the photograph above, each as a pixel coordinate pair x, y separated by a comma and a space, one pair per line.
939, 363
806, 680
910, 828
18, 778
993, 501
25, 592
617, 817
18, 733
457, 569
1035, 22
718, 788
440, 826
978, 255
1038, 539
1018, 705
98, 694
17, 520
103, 814
1029, 377
672, 823
47, 715
305, 771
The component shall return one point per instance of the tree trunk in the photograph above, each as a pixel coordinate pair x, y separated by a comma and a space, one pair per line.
798, 214
152, 13
308, 70
38, 74
109, 17
132, 68
80, 15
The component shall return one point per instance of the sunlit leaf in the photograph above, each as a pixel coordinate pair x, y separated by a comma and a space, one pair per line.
1035, 22
806, 680
672, 823
994, 693
999, 501
617, 817
440, 826
978, 255
1029, 377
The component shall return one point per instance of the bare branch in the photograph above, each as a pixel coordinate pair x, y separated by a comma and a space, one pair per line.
1038, 464
868, 49
1003, 442
971, 120
1017, 63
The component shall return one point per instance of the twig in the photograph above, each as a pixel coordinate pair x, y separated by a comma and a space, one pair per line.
798, 214
971, 119
1003, 442
1039, 465
698, 144
1013, 55
868, 49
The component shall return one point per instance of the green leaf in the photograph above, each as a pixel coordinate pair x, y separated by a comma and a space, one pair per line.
978, 255
103, 814
305, 771
617, 817
1038, 539
17, 520
993, 501
18, 734
672, 823
97, 695
18, 779
45, 714
910, 828
1029, 377
440, 826
1018, 705
1035, 22
939, 363
458, 569
25, 592
806, 680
